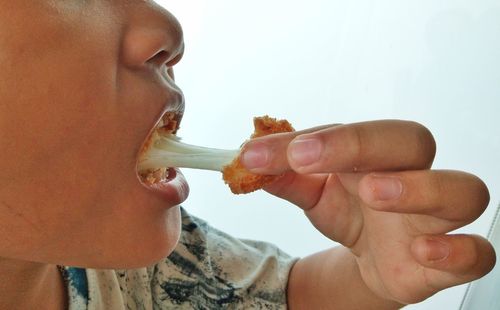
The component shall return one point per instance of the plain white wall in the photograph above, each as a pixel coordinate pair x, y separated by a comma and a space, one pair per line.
330, 61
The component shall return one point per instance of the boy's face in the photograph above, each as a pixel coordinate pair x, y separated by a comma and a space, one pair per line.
82, 83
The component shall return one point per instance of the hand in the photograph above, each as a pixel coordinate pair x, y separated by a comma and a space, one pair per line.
369, 187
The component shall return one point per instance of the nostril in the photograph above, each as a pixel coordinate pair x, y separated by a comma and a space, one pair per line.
172, 62
159, 59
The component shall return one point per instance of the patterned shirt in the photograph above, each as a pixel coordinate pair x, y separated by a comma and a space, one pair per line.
208, 270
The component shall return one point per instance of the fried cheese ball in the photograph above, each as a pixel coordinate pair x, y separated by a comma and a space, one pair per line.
239, 179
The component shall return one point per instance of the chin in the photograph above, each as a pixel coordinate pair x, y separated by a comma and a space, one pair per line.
160, 245
164, 244
151, 243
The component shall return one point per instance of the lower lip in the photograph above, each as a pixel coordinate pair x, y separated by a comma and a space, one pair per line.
174, 189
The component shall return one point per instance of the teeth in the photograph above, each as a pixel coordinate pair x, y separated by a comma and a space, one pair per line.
154, 176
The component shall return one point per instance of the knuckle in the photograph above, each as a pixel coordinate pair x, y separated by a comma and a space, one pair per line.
464, 255
491, 258
426, 143
479, 197
482, 193
470, 200
480, 258
435, 189
472, 259
357, 147
347, 143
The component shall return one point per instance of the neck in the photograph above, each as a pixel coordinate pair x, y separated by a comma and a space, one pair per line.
27, 285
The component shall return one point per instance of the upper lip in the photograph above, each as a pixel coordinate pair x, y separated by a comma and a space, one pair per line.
173, 105
173, 99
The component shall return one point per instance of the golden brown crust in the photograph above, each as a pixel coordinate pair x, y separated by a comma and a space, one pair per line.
239, 179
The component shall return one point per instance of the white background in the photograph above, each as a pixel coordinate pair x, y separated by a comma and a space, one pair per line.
329, 61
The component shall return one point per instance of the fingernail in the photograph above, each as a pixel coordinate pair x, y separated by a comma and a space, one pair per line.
386, 188
437, 250
304, 152
256, 156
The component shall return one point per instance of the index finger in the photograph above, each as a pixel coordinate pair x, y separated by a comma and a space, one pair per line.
267, 154
368, 146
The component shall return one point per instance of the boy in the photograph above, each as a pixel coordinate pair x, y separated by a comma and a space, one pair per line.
82, 85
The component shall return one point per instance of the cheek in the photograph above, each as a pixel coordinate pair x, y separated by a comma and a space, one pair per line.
69, 147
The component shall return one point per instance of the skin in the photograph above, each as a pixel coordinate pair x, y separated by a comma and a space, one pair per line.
369, 186
83, 84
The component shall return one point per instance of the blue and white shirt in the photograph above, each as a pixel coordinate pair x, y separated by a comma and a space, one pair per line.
208, 270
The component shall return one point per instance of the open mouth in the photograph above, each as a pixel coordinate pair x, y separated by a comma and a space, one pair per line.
168, 125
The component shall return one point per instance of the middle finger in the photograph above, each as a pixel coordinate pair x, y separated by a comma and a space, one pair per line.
453, 196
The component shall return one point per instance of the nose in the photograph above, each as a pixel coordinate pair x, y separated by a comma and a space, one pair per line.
153, 37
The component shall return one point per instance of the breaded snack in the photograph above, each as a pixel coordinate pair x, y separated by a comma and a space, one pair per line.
239, 179
163, 151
